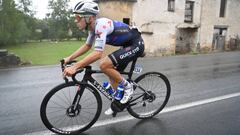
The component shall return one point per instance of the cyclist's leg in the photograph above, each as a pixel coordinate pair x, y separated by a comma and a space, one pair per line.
113, 83
109, 69
115, 77
118, 60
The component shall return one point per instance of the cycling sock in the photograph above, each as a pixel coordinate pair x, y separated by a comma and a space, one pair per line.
124, 82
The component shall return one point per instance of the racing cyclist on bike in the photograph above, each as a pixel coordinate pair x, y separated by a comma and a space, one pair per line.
106, 31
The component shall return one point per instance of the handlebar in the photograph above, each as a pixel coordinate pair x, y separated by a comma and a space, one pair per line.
63, 66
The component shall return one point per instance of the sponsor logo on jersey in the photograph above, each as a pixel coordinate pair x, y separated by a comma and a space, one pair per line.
98, 34
98, 47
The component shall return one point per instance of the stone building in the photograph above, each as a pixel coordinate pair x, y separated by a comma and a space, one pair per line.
179, 26
219, 23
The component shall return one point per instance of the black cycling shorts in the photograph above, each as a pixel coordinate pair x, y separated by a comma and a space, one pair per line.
123, 56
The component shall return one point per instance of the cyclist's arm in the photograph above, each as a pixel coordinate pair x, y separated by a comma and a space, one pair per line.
80, 51
84, 48
90, 58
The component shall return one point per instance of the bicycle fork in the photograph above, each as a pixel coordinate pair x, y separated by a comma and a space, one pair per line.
75, 104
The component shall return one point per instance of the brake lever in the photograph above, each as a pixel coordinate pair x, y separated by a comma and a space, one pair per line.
63, 67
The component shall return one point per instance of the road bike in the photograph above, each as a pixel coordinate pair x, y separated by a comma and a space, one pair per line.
74, 106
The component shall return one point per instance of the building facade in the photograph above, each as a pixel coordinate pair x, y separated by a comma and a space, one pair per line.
179, 26
219, 24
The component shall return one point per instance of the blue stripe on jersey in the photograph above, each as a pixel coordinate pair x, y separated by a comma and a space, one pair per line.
120, 35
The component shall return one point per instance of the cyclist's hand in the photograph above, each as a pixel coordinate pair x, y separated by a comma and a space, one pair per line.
69, 71
66, 60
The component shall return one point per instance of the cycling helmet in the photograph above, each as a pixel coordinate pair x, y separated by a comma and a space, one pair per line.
86, 8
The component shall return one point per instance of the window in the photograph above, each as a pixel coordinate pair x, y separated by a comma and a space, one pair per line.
222, 8
126, 21
171, 5
189, 11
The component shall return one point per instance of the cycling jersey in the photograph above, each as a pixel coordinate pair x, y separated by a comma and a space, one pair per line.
110, 32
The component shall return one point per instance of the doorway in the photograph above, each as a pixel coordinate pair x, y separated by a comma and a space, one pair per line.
185, 40
219, 37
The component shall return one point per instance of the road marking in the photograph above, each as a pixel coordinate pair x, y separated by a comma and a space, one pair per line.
166, 110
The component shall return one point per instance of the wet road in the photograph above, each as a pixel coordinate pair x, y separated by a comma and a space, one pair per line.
193, 79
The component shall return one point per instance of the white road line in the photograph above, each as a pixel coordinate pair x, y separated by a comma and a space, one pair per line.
166, 110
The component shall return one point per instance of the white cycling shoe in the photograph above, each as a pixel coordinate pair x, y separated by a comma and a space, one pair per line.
128, 91
109, 111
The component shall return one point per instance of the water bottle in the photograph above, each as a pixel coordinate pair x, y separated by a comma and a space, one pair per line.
108, 88
119, 93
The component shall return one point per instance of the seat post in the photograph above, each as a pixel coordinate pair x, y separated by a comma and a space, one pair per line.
132, 68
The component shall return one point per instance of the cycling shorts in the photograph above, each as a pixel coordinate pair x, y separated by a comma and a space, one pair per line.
126, 54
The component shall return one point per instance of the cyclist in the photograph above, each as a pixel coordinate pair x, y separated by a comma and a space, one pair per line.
106, 31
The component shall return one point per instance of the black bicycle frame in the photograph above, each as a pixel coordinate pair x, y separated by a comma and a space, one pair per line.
87, 78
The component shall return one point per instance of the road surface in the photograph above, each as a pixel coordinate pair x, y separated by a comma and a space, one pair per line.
204, 100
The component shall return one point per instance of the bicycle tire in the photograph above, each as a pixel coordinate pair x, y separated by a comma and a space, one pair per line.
147, 82
56, 95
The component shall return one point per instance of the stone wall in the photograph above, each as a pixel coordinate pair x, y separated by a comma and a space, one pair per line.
159, 25
116, 10
8, 59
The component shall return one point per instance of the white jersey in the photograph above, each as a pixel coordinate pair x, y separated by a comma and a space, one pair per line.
109, 32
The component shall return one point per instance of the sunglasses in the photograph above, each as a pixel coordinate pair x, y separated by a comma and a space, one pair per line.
78, 18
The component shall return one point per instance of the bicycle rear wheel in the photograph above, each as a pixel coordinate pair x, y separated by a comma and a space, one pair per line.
150, 96
57, 108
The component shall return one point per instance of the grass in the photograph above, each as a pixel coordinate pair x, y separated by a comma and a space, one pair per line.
44, 53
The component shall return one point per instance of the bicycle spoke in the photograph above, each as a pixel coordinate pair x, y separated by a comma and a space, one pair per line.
58, 104
57, 116
61, 122
88, 112
69, 93
77, 121
89, 108
85, 101
54, 111
63, 100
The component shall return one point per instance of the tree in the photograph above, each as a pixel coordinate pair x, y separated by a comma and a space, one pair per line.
58, 19
0, 5
25, 6
44, 27
13, 29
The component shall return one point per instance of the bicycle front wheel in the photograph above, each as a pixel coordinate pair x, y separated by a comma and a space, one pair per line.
62, 114
150, 96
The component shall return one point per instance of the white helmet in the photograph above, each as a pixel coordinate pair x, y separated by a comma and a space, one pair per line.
86, 8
